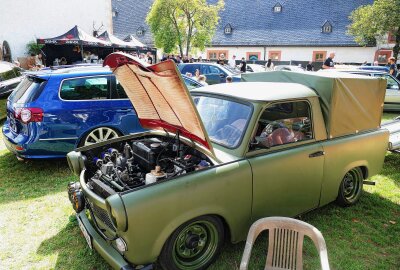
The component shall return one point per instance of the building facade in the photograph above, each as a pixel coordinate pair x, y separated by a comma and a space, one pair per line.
21, 23
283, 30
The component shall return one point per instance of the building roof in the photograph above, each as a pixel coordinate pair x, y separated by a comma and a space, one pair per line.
254, 22
259, 91
131, 17
298, 24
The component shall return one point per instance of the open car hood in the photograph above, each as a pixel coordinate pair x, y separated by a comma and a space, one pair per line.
159, 96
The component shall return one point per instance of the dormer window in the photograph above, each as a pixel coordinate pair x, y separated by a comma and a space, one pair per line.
277, 8
140, 31
228, 29
326, 27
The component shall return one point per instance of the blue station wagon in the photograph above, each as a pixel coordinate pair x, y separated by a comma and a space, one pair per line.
52, 112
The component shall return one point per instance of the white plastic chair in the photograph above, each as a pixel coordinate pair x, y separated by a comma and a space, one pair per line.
285, 243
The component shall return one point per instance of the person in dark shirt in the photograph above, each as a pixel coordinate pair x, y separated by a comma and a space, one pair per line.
310, 66
243, 65
149, 58
328, 64
393, 67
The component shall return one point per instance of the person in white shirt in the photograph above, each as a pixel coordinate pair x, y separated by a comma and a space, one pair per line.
232, 62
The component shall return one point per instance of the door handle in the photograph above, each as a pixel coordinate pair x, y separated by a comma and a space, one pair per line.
316, 154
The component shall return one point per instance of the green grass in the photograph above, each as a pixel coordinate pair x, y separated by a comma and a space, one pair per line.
3, 111
389, 116
38, 229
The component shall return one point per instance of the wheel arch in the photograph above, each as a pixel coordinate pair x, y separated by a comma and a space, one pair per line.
86, 132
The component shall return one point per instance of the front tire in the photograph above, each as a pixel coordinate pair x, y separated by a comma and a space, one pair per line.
351, 187
194, 245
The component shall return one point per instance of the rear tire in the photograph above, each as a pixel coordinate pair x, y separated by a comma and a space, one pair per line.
97, 135
194, 245
351, 187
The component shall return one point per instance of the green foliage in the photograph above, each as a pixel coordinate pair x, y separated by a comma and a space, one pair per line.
183, 23
33, 47
372, 21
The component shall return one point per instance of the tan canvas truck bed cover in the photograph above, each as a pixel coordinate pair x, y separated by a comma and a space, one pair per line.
350, 103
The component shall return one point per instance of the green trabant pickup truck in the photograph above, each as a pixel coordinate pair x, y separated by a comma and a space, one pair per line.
214, 161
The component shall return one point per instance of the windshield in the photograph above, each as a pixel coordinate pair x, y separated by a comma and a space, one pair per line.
224, 120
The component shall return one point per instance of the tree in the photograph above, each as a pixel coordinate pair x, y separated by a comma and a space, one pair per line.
186, 23
376, 20
33, 47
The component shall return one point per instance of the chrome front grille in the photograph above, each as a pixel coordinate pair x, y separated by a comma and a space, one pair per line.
102, 215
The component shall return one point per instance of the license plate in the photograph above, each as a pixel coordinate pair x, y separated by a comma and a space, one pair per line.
84, 232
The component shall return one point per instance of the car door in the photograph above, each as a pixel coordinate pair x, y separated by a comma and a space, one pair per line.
392, 90
286, 161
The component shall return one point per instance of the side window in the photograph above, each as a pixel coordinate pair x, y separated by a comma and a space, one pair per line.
119, 91
91, 88
205, 69
190, 69
391, 83
215, 70
283, 123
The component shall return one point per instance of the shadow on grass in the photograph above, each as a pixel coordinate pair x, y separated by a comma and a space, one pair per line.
72, 249
31, 179
364, 236
391, 168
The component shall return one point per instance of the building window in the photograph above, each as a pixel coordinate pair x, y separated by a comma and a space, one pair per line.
140, 31
382, 56
277, 8
115, 12
253, 56
214, 54
228, 29
326, 27
274, 55
319, 56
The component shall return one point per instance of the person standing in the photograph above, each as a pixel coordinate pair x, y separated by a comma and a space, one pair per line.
243, 65
269, 66
221, 59
31, 63
232, 62
328, 64
149, 58
228, 79
310, 66
392, 67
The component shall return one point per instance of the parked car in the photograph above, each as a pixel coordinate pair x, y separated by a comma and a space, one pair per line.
255, 68
392, 98
208, 167
214, 73
289, 68
10, 77
375, 68
52, 112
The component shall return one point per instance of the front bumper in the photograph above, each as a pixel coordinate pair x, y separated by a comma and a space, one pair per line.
112, 257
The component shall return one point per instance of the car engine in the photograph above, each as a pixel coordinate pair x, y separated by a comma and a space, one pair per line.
130, 165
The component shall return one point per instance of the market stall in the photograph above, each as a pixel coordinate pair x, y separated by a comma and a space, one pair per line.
74, 46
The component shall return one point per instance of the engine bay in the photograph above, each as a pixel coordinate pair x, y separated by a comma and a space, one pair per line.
128, 165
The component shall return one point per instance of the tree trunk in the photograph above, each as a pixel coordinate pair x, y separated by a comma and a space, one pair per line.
396, 47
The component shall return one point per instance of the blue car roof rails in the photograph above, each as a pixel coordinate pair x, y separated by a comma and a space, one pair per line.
72, 66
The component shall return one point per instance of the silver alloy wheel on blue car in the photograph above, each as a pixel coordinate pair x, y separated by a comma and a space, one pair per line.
100, 134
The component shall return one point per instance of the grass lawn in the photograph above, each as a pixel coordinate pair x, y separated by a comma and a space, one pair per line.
3, 108
38, 229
